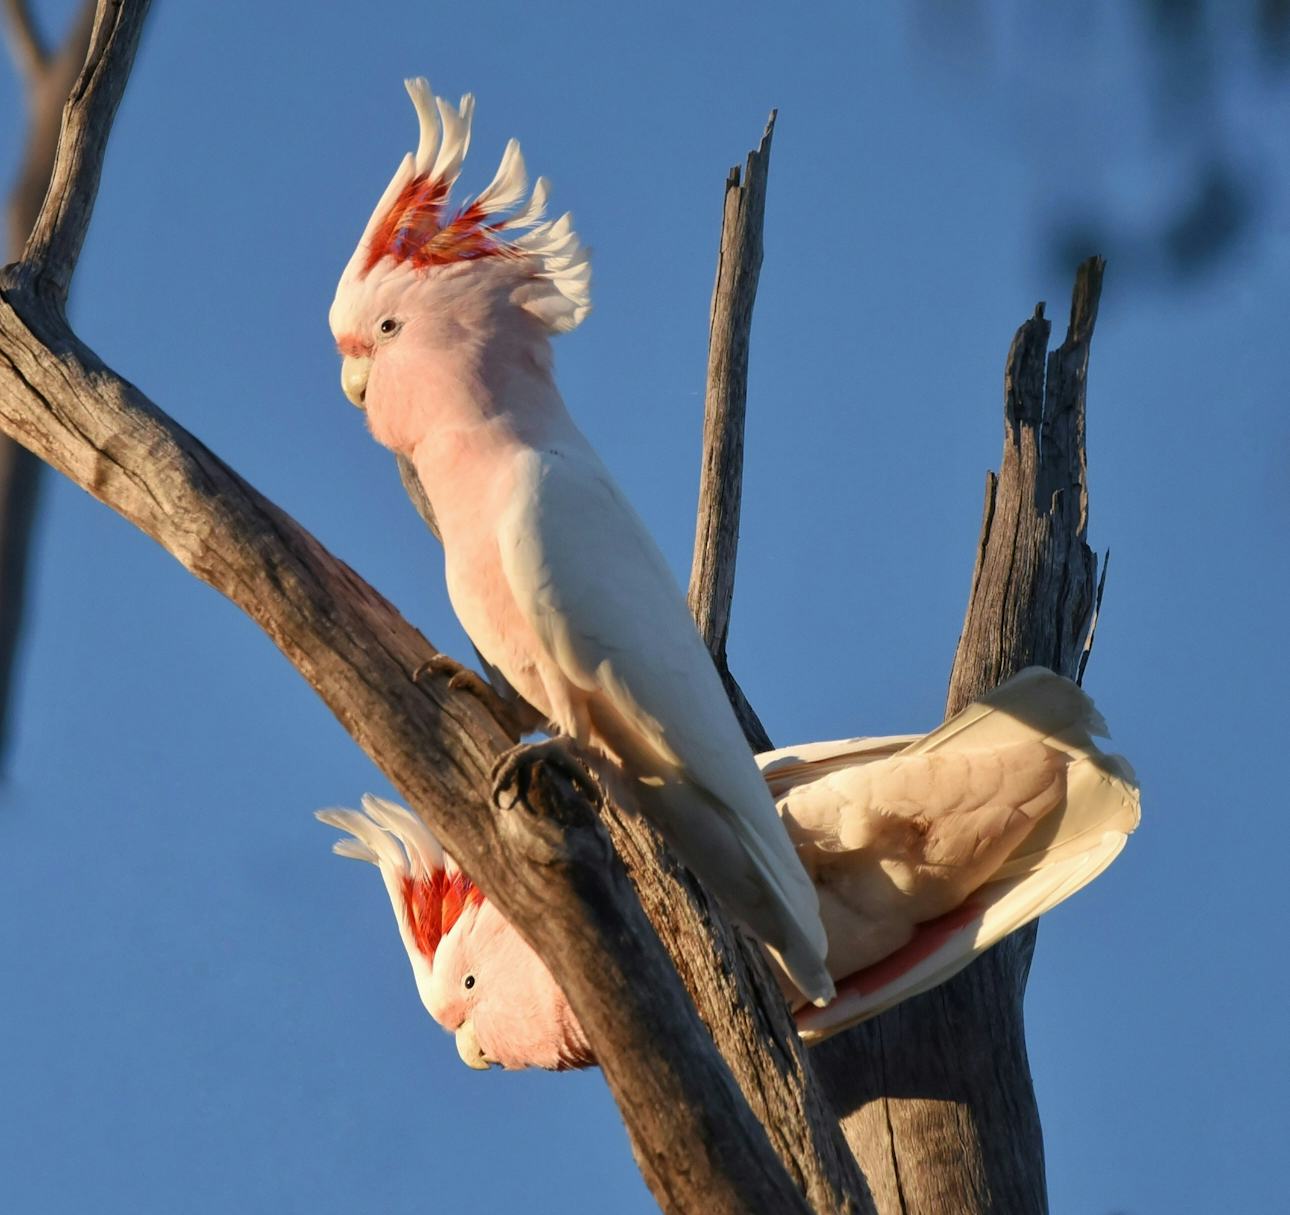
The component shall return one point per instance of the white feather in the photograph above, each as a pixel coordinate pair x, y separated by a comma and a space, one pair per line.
428, 123
416, 853
456, 138
610, 615
507, 188
533, 213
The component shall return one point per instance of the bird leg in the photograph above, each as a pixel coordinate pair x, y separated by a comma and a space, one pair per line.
515, 771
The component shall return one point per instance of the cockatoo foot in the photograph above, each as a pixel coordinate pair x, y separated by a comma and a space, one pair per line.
517, 719
514, 772
460, 678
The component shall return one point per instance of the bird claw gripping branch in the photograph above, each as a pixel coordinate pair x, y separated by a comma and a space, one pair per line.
460, 678
516, 772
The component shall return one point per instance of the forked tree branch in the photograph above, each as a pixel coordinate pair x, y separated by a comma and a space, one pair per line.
544, 860
55, 242
47, 79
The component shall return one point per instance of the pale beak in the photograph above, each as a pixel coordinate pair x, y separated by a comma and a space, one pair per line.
469, 1049
353, 377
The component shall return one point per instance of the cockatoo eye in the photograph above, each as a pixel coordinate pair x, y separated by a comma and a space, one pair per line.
389, 327
469, 982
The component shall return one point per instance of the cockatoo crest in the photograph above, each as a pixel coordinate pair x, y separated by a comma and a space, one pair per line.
426, 888
414, 228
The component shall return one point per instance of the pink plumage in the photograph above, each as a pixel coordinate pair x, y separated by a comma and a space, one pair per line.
925, 850
444, 318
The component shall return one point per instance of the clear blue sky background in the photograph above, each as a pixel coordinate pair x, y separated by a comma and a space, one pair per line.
203, 1010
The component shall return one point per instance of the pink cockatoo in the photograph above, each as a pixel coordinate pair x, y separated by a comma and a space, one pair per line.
925, 852
444, 318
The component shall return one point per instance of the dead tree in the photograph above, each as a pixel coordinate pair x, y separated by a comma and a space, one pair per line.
727, 1118
47, 77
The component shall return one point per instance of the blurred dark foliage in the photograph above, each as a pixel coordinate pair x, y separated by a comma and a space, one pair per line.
1203, 217
1210, 195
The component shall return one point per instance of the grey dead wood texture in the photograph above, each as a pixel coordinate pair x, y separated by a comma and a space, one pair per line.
716, 538
544, 858
46, 76
936, 1095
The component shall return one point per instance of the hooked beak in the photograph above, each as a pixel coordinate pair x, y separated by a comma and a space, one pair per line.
469, 1049
353, 377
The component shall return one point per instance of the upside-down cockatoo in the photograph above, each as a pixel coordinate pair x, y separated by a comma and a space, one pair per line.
444, 317
925, 852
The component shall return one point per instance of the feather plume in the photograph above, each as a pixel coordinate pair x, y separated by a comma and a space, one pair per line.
428, 890
416, 226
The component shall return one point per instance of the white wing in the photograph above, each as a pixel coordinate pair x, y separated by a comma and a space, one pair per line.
925, 855
590, 580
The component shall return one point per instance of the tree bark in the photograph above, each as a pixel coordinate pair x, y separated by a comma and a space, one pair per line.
716, 538
544, 858
47, 78
936, 1095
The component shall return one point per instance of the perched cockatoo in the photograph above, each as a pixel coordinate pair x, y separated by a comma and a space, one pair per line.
444, 317
925, 850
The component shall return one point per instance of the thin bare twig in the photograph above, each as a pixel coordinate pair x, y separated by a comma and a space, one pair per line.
716, 539
1087, 652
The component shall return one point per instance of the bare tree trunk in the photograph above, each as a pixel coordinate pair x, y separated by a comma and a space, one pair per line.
936, 1095
47, 79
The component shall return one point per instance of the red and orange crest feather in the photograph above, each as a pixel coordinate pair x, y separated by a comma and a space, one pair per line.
412, 232
434, 904
415, 226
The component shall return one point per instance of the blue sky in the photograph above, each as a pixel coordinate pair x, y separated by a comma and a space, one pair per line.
205, 1009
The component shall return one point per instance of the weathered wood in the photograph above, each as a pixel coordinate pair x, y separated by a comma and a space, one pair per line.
544, 860
54, 245
936, 1095
47, 77
747, 1017
716, 538
794, 1104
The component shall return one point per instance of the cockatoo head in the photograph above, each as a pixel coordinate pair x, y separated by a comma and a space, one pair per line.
430, 276
476, 975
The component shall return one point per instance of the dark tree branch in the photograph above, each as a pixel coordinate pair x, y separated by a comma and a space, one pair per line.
55, 242
544, 859
936, 1094
47, 80
684, 911
716, 539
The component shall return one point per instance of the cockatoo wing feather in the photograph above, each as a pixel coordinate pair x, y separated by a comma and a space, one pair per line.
600, 596
943, 947
954, 840
783, 768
